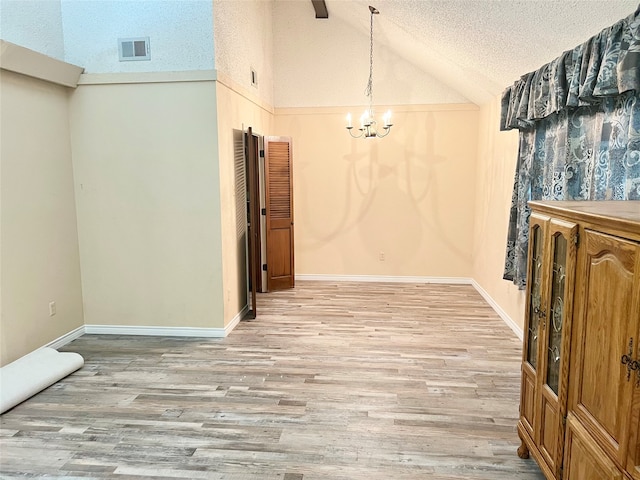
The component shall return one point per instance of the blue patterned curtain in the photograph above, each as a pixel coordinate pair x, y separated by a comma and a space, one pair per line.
579, 122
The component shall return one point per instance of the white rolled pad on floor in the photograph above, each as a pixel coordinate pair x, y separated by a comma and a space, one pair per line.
34, 372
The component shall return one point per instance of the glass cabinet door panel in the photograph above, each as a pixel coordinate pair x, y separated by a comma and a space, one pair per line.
536, 295
557, 313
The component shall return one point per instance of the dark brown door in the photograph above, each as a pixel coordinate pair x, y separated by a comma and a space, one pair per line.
279, 199
253, 174
253, 219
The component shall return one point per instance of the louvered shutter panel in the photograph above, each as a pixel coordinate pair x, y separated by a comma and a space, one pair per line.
279, 190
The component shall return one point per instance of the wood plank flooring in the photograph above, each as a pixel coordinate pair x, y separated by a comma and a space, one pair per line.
332, 381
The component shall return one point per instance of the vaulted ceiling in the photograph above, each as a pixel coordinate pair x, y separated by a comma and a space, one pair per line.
478, 47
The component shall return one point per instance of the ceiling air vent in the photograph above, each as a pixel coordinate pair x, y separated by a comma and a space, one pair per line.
130, 49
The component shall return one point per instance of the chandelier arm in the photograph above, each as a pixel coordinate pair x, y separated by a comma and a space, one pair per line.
355, 136
387, 130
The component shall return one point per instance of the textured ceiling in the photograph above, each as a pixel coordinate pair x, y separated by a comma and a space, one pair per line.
478, 47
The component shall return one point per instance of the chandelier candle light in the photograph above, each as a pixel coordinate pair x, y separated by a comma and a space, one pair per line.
368, 125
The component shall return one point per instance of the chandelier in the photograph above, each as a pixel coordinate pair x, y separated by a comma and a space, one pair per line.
368, 124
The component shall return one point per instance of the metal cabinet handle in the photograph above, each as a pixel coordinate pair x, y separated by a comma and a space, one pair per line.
627, 359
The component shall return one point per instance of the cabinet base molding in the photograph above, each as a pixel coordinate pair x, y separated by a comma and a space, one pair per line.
529, 449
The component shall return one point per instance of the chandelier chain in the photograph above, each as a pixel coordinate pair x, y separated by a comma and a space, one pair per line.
369, 89
369, 127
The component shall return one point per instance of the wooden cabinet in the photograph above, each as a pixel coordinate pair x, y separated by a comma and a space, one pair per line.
552, 254
580, 397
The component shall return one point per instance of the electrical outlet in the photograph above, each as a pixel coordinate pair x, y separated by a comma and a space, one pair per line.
52, 309
381, 256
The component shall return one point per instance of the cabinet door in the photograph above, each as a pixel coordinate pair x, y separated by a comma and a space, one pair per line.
584, 460
531, 348
556, 327
606, 329
633, 457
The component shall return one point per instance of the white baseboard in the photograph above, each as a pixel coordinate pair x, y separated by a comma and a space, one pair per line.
506, 318
166, 331
384, 279
155, 331
66, 338
223, 332
236, 320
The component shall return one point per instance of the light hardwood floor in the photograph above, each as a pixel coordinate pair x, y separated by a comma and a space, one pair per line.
331, 381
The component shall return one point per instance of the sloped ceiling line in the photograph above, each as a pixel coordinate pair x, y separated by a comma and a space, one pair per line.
479, 47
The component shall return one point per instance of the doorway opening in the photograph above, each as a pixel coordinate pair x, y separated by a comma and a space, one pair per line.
264, 215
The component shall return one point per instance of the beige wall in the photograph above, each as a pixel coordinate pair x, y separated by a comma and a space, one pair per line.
39, 241
237, 110
148, 200
497, 152
408, 196
243, 40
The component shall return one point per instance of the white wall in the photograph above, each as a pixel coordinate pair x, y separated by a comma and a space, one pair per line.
34, 24
180, 32
244, 40
326, 63
148, 199
39, 242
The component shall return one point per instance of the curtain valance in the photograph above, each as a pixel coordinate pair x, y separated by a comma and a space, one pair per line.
606, 65
579, 123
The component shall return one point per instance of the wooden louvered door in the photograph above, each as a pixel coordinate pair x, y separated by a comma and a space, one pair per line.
279, 200
253, 219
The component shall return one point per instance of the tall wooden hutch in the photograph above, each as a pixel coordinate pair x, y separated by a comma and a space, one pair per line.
580, 397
